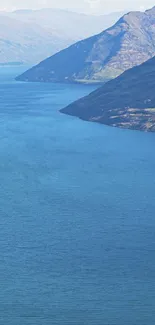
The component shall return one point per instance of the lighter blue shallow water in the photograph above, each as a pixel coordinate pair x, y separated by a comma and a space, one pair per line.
77, 213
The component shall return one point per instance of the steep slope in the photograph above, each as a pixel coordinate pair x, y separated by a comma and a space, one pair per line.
130, 42
127, 101
25, 42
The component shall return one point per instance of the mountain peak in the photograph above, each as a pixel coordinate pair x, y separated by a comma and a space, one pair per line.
131, 17
103, 56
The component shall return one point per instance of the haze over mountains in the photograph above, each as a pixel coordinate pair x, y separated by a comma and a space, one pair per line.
25, 43
29, 36
66, 24
126, 102
129, 42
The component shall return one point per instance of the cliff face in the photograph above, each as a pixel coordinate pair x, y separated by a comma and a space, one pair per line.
130, 42
126, 102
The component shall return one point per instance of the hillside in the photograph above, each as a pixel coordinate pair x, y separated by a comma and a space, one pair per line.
130, 42
126, 102
29, 36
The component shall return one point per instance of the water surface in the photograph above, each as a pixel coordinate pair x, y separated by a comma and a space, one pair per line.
77, 213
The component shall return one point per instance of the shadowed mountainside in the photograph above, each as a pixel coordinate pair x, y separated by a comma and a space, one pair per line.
126, 102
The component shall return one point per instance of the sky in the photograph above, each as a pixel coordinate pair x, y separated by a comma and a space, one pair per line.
88, 6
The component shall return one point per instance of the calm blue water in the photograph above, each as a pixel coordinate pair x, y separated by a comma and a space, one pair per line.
77, 213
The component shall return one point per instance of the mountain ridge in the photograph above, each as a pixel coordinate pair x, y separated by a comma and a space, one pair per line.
31, 36
129, 42
72, 25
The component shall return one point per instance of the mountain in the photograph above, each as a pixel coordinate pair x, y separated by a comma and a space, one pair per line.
29, 36
130, 42
66, 24
25, 42
126, 102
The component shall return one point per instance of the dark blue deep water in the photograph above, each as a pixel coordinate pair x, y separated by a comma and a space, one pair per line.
77, 213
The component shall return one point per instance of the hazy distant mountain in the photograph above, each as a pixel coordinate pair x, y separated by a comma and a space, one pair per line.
29, 36
130, 42
127, 101
26, 42
66, 24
